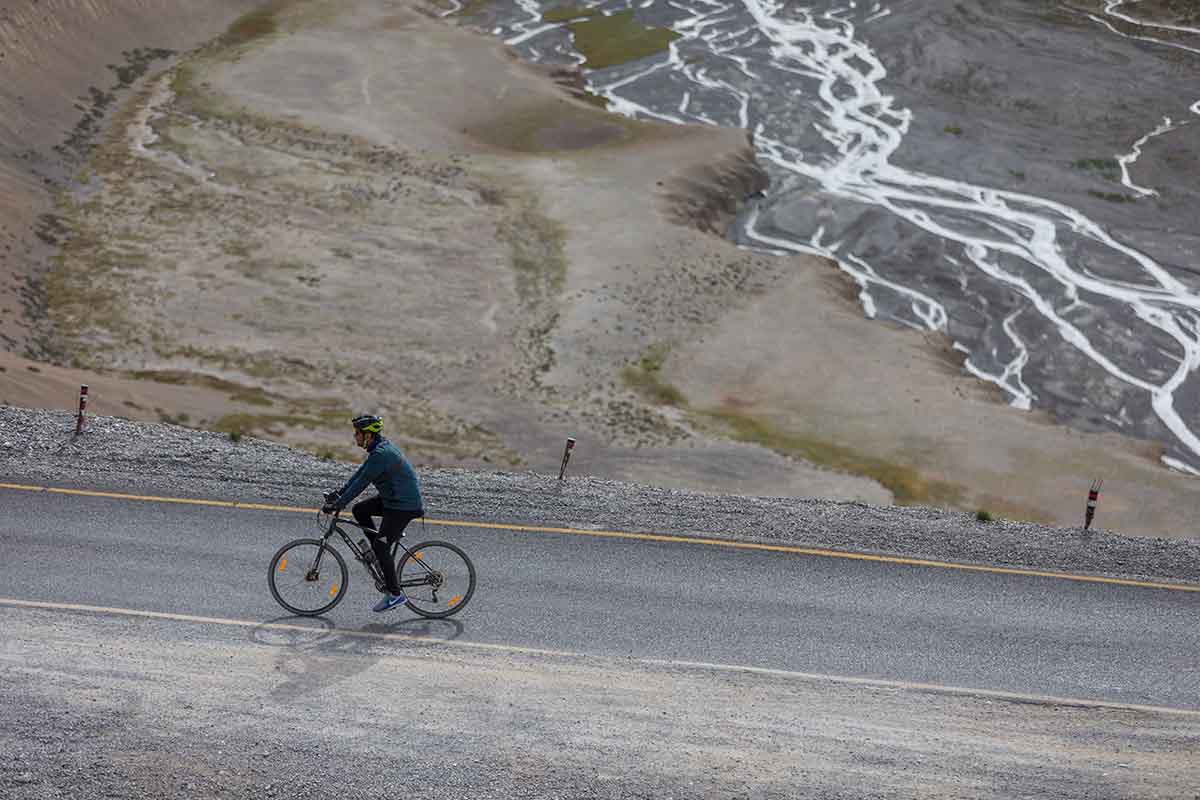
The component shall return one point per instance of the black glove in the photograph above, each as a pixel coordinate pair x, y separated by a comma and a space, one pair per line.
327, 509
331, 497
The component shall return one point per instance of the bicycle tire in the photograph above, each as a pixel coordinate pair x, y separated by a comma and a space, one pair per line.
457, 571
298, 577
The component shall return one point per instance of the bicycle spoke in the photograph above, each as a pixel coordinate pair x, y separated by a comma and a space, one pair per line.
300, 589
437, 577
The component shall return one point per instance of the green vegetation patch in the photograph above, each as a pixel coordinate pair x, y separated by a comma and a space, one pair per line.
87, 287
1096, 163
592, 99
555, 126
645, 378
137, 63
183, 80
606, 41
537, 251
256, 365
251, 395
253, 25
238, 248
327, 453
905, 483
473, 7
1113, 197
1107, 166
242, 423
569, 13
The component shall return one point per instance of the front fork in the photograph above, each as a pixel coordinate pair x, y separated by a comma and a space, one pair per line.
314, 572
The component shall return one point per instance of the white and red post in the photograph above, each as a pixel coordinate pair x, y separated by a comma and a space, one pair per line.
566, 457
1093, 499
83, 398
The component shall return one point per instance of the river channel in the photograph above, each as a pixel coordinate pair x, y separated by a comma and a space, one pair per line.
1020, 176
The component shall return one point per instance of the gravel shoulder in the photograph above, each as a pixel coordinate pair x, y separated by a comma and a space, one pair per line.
200, 710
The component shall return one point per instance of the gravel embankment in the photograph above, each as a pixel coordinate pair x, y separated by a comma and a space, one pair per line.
38, 447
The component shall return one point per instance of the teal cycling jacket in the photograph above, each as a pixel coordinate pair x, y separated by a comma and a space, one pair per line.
393, 476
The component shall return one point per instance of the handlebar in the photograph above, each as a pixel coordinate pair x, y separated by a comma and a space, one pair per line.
340, 520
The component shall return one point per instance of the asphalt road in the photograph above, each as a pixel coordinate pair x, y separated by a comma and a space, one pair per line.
674, 601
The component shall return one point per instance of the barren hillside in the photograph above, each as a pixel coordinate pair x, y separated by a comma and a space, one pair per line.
336, 207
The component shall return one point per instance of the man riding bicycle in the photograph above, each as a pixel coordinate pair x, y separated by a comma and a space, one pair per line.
398, 501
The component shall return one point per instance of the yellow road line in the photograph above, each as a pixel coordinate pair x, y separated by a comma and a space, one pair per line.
152, 498
536, 651
652, 537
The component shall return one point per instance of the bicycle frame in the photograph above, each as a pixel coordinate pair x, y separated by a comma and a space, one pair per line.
372, 567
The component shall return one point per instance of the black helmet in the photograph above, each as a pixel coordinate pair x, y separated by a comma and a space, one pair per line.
367, 423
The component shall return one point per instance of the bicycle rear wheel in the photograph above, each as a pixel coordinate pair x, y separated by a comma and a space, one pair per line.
302, 586
437, 578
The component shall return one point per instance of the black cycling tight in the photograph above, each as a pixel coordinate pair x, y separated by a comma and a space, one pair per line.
391, 528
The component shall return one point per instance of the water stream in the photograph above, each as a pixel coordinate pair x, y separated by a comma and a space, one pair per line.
1047, 303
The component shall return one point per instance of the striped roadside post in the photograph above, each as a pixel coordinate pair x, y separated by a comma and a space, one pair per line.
83, 398
566, 457
1093, 498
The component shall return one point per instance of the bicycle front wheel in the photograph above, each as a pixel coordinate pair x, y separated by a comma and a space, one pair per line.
437, 578
304, 585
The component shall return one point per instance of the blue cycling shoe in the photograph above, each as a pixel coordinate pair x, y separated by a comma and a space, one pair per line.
390, 601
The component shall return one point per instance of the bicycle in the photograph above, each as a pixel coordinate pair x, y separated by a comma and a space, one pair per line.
437, 577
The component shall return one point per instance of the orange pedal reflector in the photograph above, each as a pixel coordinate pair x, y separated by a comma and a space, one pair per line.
453, 601
417, 555
333, 590
282, 563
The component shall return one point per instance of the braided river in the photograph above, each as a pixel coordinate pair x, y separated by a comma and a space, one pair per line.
1071, 283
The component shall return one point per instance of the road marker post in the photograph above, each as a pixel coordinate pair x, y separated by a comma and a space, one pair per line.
1093, 499
566, 457
83, 398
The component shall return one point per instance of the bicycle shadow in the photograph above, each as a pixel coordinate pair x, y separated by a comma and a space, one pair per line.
317, 654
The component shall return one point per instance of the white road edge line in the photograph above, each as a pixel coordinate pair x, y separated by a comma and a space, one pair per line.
703, 665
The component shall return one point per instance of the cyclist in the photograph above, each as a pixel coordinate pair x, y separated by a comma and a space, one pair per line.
398, 501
